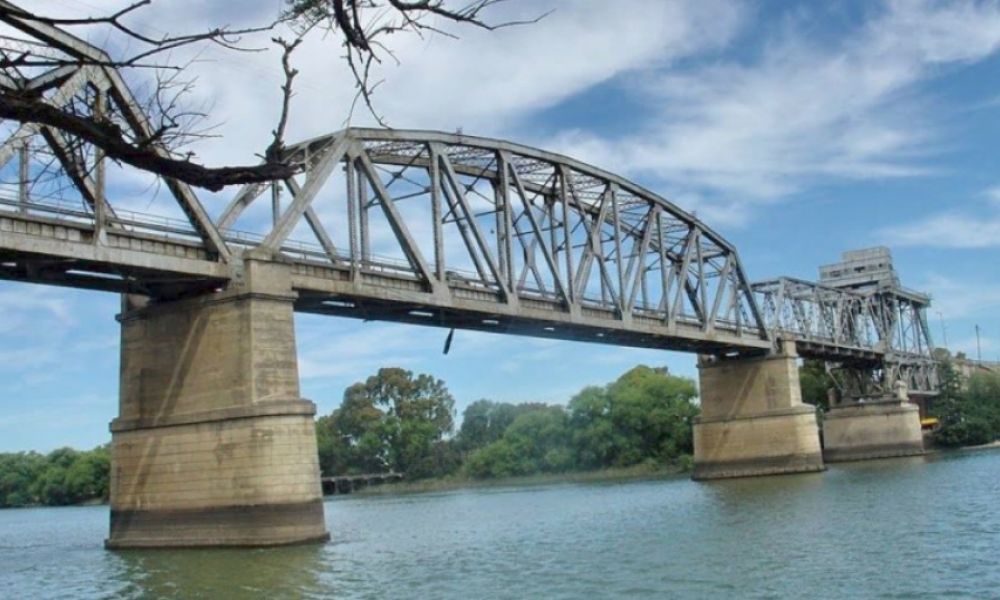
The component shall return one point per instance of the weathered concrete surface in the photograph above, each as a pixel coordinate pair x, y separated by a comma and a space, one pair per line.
872, 430
753, 421
213, 445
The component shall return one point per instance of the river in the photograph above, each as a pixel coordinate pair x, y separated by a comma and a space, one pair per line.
907, 528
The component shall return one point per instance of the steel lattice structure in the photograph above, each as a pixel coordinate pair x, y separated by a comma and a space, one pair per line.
432, 228
873, 336
507, 228
836, 323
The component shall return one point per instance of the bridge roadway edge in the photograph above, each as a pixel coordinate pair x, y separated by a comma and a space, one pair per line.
213, 445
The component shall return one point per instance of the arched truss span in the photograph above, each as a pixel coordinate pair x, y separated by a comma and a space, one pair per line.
472, 232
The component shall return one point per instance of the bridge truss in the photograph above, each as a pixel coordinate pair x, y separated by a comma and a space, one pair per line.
486, 234
871, 339
426, 227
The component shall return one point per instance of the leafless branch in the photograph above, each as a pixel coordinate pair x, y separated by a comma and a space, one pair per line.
362, 36
151, 134
275, 150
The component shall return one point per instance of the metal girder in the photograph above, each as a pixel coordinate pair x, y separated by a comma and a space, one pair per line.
507, 224
874, 336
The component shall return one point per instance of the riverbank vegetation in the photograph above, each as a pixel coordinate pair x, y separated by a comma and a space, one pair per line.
395, 421
968, 411
637, 426
61, 477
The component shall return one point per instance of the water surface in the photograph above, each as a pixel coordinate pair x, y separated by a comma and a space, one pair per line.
907, 528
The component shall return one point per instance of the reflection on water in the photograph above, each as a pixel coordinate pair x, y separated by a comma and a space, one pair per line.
236, 573
901, 528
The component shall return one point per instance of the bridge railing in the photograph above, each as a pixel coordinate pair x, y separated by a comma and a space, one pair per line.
78, 214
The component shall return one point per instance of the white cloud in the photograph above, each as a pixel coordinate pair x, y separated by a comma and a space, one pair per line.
993, 195
20, 301
804, 111
327, 352
953, 228
947, 230
488, 78
962, 298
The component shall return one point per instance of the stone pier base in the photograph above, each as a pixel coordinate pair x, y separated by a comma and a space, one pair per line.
213, 445
753, 420
872, 430
763, 444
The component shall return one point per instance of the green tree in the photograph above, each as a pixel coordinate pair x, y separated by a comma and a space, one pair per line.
391, 421
18, 473
484, 422
969, 416
64, 476
88, 476
982, 400
645, 414
538, 441
815, 383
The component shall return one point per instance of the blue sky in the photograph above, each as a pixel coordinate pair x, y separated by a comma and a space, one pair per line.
796, 129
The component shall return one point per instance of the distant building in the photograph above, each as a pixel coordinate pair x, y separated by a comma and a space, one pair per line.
966, 367
861, 268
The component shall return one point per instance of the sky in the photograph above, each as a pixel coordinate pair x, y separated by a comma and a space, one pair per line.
797, 130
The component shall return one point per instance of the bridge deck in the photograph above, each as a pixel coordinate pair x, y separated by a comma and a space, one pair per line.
56, 244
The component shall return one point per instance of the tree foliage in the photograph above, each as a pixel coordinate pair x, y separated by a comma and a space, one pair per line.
815, 383
64, 476
968, 415
398, 421
485, 421
393, 421
643, 416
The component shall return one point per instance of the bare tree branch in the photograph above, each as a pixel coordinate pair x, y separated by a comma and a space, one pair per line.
277, 147
362, 38
166, 123
111, 139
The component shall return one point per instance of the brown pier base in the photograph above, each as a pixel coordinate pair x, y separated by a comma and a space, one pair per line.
872, 430
213, 445
753, 420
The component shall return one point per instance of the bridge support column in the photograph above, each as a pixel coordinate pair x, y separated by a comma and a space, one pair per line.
753, 421
864, 430
213, 445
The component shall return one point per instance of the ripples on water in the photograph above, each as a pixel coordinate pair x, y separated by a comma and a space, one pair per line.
908, 528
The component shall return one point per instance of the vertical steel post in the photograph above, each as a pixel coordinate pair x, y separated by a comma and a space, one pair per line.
24, 154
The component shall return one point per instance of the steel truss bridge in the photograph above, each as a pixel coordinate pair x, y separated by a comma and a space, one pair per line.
430, 228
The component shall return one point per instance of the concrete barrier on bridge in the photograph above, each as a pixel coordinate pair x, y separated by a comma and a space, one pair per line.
753, 421
213, 445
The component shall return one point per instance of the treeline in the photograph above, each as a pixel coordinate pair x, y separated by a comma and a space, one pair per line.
969, 414
61, 477
396, 421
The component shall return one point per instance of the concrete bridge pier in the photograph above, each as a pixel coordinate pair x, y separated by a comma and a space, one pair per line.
213, 445
884, 428
753, 421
